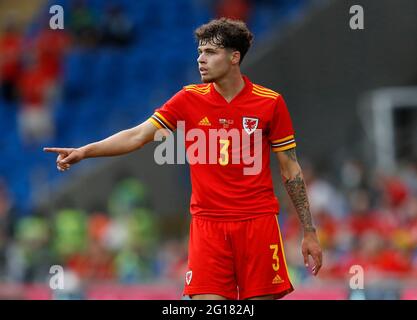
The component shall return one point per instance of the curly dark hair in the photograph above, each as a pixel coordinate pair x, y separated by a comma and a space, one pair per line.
226, 33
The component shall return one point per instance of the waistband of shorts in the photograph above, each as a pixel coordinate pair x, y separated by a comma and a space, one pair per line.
214, 218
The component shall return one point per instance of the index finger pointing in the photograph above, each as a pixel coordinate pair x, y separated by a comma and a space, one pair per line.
56, 150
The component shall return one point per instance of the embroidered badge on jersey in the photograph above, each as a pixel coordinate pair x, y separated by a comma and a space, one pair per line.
250, 124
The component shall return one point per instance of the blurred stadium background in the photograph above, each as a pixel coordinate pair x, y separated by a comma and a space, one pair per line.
119, 226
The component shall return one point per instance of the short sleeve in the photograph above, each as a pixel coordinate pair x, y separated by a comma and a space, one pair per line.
166, 117
281, 133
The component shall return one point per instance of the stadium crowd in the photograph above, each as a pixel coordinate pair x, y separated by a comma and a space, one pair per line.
368, 219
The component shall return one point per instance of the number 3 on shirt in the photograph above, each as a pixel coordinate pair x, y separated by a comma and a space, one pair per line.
224, 152
275, 257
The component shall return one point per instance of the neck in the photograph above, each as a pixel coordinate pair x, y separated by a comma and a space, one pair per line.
230, 86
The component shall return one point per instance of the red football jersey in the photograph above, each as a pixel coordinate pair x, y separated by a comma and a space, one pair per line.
230, 174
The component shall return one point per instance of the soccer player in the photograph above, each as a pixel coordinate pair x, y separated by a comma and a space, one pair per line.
235, 245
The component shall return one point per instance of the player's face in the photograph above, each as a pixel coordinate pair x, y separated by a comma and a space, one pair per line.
214, 62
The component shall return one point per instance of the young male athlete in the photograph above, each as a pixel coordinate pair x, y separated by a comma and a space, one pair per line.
235, 246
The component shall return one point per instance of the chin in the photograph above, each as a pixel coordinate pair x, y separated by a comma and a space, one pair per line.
205, 79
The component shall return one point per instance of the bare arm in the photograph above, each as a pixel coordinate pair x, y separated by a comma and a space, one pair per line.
292, 177
294, 183
120, 143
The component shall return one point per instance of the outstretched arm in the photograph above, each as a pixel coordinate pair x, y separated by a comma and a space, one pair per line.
120, 143
294, 183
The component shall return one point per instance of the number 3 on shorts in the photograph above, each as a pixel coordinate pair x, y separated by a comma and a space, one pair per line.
275, 257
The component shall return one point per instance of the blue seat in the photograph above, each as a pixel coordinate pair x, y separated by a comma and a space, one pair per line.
74, 80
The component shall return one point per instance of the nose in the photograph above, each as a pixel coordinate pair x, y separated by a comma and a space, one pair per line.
201, 59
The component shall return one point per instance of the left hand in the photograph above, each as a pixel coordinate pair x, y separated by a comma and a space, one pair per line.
310, 246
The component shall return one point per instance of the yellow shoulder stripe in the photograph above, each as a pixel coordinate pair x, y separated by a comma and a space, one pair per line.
272, 93
193, 86
198, 91
265, 95
265, 90
201, 90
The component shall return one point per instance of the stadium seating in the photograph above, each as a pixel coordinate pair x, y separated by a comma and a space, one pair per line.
108, 89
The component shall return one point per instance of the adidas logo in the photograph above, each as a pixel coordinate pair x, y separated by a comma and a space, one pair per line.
204, 122
277, 280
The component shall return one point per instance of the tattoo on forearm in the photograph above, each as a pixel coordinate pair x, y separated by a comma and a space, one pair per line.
291, 154
296, 189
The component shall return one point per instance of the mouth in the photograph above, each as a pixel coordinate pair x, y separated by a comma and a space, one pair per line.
203, 71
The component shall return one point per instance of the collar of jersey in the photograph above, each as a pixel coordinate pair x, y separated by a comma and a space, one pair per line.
246, 89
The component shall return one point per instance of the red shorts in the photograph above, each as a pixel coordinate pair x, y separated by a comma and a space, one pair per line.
237, 260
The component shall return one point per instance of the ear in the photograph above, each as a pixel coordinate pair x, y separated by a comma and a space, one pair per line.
235, 57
